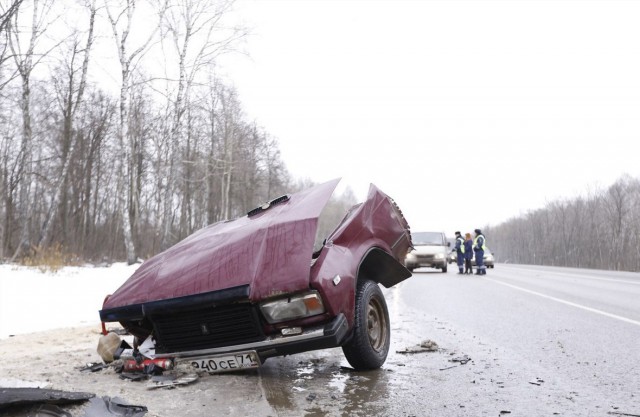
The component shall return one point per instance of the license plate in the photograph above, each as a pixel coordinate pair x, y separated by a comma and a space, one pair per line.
226, 363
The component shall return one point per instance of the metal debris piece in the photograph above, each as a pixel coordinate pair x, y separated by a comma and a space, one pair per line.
133, 376
463, 360
425, 346
450, 367
171, 380
27, 396
537, 382
93, 367
311, 397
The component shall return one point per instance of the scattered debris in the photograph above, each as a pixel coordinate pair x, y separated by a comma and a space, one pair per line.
463, 360
93, 367
505, 412
537, 382
616, 413
311, 397
32, 396
170, 381
148, 365
450, 367
425, 346
108, 345
134, 376
106, 406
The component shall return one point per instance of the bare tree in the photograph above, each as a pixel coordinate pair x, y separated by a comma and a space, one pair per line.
25, 59
121, 25
70, 93
8, 9
197, 39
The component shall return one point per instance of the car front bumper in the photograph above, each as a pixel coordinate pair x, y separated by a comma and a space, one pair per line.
433, 263
330, 335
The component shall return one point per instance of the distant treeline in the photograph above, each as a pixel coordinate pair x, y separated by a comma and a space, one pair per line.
600, 230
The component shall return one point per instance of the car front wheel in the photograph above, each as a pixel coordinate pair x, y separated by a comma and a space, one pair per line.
369, 343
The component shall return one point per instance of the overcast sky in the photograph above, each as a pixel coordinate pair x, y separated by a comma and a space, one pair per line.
466, 113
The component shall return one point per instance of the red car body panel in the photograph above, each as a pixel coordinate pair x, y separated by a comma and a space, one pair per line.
377, 223
263, 256
270, 251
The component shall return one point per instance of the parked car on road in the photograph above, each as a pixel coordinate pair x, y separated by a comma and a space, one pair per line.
488, 258
430, 250
238, 292
452, 257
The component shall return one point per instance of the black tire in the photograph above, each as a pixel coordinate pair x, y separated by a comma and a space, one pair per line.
444, 269
369, 344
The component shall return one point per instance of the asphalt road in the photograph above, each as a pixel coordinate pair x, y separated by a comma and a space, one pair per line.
561, 341
541, 342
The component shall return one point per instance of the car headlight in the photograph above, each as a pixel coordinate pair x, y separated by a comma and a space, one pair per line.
294, 307
439, 256
489, 258
411, 256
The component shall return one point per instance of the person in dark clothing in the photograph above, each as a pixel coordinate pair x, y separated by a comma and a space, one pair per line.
479, 244
460, 251
468, 253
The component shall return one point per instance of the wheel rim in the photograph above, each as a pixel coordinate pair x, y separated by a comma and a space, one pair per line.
376, 325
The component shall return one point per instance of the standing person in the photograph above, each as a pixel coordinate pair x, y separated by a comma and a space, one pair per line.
460, 251
479, 244
468, 253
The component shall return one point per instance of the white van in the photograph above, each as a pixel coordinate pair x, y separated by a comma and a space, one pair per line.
430, 250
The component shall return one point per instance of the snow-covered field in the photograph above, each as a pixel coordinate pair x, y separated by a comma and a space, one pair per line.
31, 300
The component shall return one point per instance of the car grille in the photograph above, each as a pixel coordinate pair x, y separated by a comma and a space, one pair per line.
206, 328
425, 258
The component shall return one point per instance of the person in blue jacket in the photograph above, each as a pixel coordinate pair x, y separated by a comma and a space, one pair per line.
460, 251
468, 253
479, 244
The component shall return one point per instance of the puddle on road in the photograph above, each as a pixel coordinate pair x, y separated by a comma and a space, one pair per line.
321, 385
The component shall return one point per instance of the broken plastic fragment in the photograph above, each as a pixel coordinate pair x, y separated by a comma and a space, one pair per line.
106, 406
171, 380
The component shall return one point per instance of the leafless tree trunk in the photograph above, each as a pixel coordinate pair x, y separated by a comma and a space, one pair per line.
8, 9
72, 98
128, 60
24, 60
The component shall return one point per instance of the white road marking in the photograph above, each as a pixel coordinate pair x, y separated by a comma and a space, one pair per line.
579, 276
569, 303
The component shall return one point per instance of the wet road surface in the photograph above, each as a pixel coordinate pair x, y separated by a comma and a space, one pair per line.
541, 342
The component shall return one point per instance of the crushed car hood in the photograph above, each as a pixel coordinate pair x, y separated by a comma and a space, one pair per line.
269, 251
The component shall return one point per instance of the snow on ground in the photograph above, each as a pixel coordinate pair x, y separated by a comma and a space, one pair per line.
31, 300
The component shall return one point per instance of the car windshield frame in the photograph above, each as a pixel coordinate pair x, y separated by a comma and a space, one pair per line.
427, 239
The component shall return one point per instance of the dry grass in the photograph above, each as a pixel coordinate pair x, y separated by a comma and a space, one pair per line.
49, 259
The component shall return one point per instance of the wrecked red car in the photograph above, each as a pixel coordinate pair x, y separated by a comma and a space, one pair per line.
238, 292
